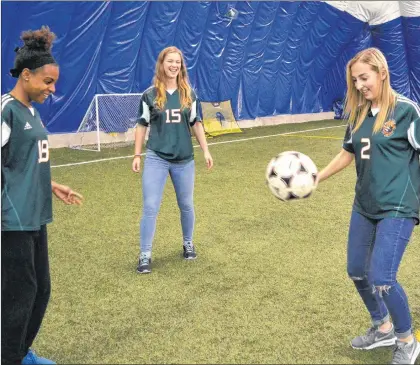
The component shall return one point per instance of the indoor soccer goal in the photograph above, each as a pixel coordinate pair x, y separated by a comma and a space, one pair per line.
109, 122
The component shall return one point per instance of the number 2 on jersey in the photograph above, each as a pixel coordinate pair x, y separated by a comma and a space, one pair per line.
43, 152
173, 115
364, 153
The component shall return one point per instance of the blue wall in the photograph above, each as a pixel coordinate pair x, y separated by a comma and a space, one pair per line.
275, 58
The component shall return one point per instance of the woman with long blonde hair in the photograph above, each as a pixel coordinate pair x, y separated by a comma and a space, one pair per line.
383, 137
170, 107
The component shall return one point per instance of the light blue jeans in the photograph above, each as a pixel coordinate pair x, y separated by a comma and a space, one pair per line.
155, 173
374, 252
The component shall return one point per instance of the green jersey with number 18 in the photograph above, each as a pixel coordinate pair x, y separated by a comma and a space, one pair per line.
387, 163
26, 199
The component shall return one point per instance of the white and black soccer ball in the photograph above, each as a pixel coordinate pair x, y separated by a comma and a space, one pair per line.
291, 175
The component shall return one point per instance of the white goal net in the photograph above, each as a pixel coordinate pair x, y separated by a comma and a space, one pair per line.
109, 122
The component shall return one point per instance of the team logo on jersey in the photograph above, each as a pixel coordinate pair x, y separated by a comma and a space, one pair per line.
389, 128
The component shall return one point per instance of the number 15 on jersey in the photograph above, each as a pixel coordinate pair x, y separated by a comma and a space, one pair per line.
173, 115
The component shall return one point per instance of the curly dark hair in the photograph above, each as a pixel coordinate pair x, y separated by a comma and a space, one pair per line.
36, 51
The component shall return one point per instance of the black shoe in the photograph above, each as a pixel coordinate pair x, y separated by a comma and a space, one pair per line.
189, 252
145, 265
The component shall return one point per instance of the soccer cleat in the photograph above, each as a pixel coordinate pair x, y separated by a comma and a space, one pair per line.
405, 353
32, 358
144, 266
189, 251
373, 339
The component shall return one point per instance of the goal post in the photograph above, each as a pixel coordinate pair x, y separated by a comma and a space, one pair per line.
109, 122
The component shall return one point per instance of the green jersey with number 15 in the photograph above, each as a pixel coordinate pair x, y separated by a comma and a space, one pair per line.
170, 135
26, 199
387, 163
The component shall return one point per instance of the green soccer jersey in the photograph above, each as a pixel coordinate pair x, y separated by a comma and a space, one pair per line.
170, 135
26, 199
387, 163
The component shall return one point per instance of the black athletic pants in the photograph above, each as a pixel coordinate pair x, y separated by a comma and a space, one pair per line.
25, 290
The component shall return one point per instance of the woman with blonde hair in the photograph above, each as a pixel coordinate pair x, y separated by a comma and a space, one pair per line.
170, 107
383, 137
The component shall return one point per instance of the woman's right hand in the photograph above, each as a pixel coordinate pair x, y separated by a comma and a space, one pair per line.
136, 164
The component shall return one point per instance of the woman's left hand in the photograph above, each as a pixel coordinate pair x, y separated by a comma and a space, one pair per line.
209, 159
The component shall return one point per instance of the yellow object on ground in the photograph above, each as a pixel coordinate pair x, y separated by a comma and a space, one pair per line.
219, 119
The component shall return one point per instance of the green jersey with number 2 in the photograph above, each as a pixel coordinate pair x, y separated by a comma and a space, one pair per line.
387, 163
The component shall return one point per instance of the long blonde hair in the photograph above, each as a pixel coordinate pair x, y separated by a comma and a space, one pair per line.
182, 80
356, 105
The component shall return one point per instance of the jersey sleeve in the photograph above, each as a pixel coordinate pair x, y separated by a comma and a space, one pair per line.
6, 125
348, 140
196, 111
414, 129
143, 117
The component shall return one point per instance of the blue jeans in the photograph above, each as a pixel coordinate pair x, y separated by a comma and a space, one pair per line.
374, 252
155, 173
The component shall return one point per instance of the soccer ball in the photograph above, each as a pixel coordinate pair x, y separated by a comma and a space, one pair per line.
291, 175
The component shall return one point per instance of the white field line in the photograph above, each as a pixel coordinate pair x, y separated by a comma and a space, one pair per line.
210, 144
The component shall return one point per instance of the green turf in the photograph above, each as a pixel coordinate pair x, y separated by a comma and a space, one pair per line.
269, 285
